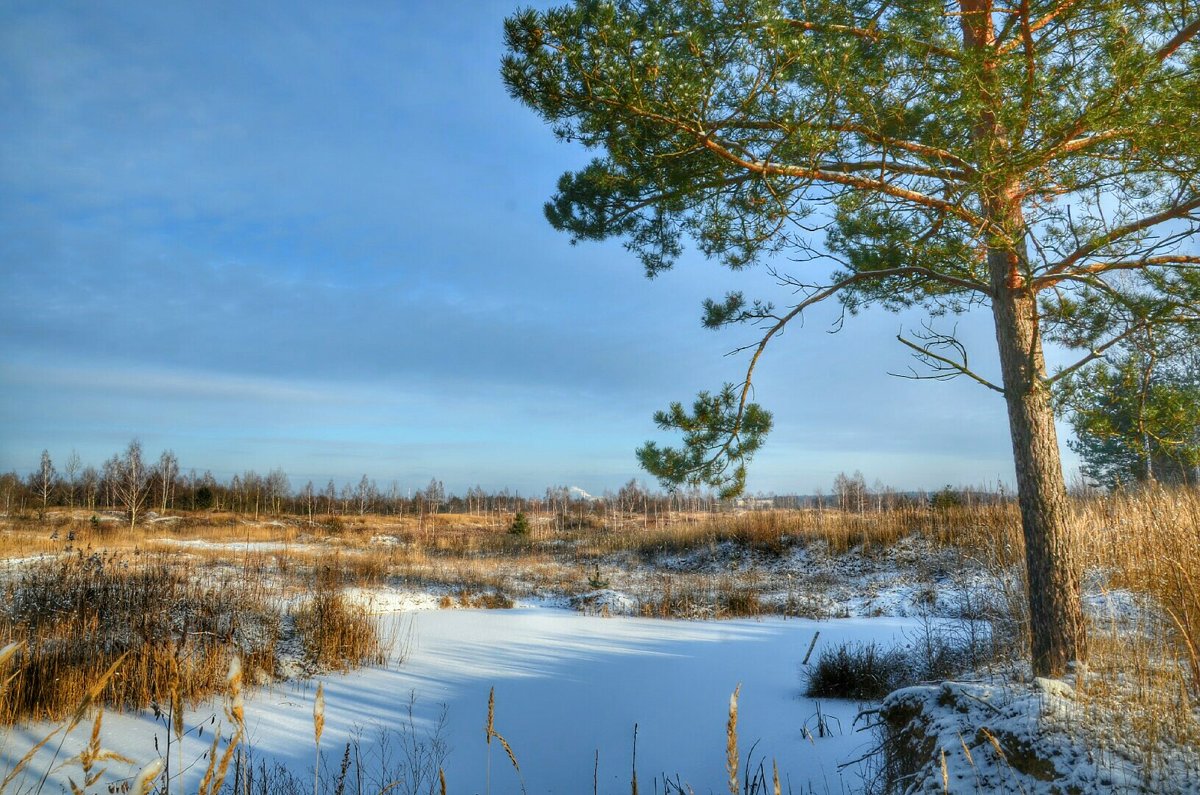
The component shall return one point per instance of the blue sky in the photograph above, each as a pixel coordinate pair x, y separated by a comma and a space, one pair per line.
309, 236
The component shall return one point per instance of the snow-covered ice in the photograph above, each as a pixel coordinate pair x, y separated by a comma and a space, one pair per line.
566, 686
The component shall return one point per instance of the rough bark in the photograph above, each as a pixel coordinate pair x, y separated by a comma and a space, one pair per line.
1057, 631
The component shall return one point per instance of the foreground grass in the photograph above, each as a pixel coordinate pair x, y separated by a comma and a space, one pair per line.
400, 759
173, 627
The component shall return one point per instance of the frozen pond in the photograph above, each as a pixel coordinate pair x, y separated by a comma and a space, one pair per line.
566, 686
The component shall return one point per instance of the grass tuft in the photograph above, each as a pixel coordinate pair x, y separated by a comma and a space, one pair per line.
335, 634
859, 671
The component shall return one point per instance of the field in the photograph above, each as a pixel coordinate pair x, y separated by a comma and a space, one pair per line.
378, 608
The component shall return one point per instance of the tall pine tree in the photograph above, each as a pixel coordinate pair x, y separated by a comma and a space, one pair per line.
1039, 158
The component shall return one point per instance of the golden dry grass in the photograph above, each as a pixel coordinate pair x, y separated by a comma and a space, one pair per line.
173, 622
76, 614
334, 633
1149, 542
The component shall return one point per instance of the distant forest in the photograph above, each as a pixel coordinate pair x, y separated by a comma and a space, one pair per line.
135, 485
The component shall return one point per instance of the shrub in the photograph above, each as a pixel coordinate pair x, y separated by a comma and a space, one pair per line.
858, 671
520, 525
78, 615
947, 498
495, 600
597, 582
741, 602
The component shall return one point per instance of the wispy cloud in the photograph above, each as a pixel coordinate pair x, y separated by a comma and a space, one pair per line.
312, 233
158, 384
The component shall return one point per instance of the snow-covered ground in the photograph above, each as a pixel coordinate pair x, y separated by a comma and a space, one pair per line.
230, 546
574, 671
1041, 737
567, 685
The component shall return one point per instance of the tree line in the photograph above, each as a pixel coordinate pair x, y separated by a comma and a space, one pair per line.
137, 486
1135, 414
134, 484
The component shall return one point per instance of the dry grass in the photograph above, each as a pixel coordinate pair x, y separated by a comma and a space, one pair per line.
465, 536
1141, 686
334, 633
768, 532
173, 622
1149, 543
493, 600
94, 755
700, 596
77, 614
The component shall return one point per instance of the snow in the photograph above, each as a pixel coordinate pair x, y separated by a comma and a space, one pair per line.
1037, 738
912, 578
392, 600
18, 564
566, 686
605, 602
232, 546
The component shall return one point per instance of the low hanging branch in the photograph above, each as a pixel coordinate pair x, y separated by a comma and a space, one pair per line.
944, 368
726, 429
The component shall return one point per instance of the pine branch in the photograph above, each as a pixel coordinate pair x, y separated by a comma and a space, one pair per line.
1097, 243
942, 363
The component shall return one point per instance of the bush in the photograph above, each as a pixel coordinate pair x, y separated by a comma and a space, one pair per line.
520, 525
948, 497
863, 672
495, 600
77, 615
596, 582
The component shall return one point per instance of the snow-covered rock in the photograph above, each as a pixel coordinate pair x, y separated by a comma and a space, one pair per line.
1036, 737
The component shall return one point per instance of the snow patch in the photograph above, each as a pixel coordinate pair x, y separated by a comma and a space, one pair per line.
380, 601
233, 546
605, 602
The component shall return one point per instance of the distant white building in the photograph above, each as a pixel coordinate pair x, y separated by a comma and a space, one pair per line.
754, 503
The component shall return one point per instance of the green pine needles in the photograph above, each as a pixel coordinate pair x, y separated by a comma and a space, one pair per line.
1039, 159
719, 436
1136, 413
949, 152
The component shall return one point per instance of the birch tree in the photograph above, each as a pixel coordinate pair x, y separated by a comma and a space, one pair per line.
42, 482
71, 475
364, 494
308, 499
10, 487
1035, 159
90, 485
130, 480
278, 487
168, 472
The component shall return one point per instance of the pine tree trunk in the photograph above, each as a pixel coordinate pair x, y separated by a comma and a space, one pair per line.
1056, 618
1057, 632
